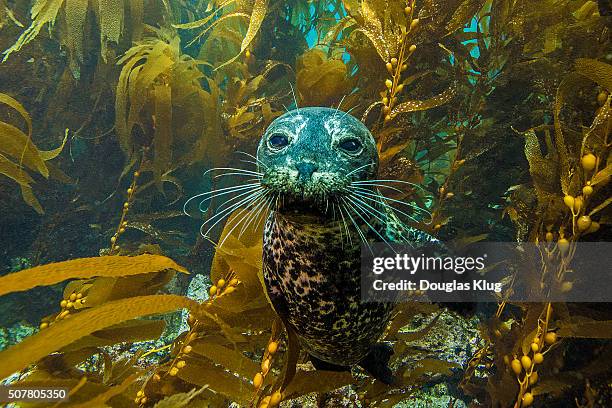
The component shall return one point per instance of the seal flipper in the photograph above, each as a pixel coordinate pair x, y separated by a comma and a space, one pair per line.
376, 363
324, 365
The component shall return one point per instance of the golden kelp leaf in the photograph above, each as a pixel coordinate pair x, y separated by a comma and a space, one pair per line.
111, 23
552, 38
136, 8
76, 14
414, 106
543, 171
567, 87
405, 312
234, 324
292, 355
602, 175
231, 359
601, 206
13, 103
130, 331
260, 8
182, 399
105, 288
584, 327
101, 399
205, 20
17, 145
67, 331
24, 180
428, 366
306, 382
217, 22
372, 28
321, 81
28, 196
463, 14
110, 15
242, 255
10, 169
597, 71
162, 140
43, 12
87, 389
85, 268
206, 373
160, 88
47, 155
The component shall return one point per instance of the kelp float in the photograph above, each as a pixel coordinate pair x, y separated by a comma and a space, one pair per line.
499, 109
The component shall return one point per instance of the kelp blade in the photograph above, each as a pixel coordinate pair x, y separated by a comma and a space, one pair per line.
85, 268
81, 324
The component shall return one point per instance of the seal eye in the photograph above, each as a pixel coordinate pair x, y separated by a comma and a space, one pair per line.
350, 145
278, 141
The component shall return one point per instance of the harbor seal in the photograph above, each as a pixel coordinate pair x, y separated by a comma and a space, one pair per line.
317, 163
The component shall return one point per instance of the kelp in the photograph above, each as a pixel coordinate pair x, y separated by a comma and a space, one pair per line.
565, 210
18, 151
155, 78
7, 16
254, 12
86, 322
320, 81
111, 22
108, 266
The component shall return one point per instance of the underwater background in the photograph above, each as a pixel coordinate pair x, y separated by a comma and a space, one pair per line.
113, 111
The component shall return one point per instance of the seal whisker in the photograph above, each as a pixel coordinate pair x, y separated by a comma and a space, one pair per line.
221, 215
234, 198
248, 208
349, 239
256, 211
381, 186
229, 190
340, 104
350, 110
253, 157
410, 217
269, 209
238, 174
249, 161
205, 234
212, 192
352, 197
363, 182
414, 206
382, 199
357, 169
348, 207
368, 212
234, 169
297, 108
340, 225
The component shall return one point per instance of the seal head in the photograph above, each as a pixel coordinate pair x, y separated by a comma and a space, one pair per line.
312, 154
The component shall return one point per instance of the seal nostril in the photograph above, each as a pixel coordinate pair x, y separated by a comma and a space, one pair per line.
305, 170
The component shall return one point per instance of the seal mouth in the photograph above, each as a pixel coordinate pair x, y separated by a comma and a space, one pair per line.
304, 204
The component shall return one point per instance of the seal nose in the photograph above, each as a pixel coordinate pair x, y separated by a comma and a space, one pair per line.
305, 170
